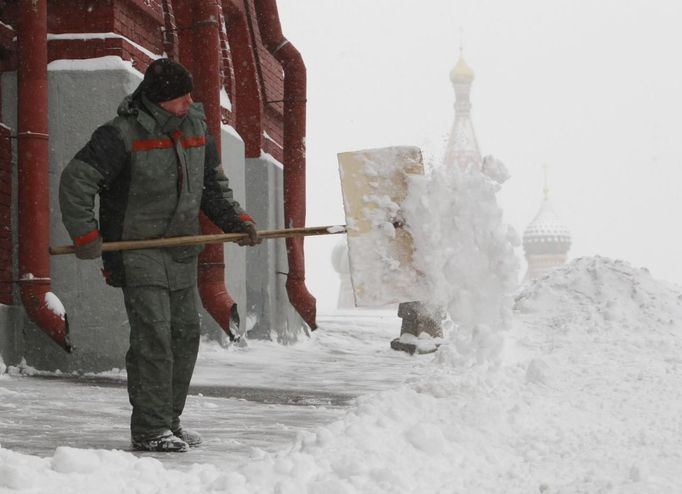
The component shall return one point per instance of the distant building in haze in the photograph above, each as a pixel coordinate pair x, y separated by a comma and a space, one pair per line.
341, 265
462, 148
546, 240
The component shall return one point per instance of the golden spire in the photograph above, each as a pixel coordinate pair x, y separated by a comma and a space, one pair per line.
546, 187
461, 71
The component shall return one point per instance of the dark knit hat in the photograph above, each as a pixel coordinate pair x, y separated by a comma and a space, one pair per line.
165, 80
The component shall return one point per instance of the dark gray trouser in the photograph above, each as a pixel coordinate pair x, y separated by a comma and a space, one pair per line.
164, 341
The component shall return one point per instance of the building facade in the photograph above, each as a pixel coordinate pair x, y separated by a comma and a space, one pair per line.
462, 148
65, 65
546, 241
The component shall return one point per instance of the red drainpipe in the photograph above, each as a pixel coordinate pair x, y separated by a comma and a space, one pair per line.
206, 75
247, 104
42, 306
294, 151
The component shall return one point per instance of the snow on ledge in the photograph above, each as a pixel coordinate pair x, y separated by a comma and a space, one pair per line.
269, 138
225, 101
55, 305
232, 131
109, 62
150, 54
271, 159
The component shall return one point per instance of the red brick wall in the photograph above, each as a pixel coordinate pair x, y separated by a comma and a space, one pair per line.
272, 88
229, 83
141, 21
5, 217
7, 46
137, 20
79, 16
8, 61
58, 49
170, 34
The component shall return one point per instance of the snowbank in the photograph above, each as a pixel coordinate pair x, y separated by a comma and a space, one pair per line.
587, 400
600, 294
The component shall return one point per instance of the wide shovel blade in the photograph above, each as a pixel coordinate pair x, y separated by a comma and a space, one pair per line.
375, 184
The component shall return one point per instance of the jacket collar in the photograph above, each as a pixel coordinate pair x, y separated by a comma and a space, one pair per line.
133, 105
168, 122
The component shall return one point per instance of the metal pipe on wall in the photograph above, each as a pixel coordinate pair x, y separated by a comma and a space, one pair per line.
42, 306
248, 104
206, 55
294, 152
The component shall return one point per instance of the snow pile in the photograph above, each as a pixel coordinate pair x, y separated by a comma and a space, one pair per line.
23, 369
599, 294
87, 471
581, 403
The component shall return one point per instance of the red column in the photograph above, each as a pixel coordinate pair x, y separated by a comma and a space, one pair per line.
294, 152
204, 40
42, 307
6, 276
248, 105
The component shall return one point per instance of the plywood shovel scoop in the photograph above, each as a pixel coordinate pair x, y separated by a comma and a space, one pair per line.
376, 184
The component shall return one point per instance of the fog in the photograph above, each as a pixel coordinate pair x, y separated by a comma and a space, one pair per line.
591, 89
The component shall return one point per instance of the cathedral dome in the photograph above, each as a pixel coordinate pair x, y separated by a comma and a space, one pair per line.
461, 72
546, 234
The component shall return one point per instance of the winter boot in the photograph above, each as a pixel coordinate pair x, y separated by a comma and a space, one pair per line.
190, 437
165, 443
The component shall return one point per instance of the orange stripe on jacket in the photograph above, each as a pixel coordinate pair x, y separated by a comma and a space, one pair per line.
149, 144
87, 238
193, 142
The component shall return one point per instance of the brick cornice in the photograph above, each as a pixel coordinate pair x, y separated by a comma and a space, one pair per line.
151, 8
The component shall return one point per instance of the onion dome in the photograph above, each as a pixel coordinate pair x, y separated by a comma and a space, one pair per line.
461, 73
546, 234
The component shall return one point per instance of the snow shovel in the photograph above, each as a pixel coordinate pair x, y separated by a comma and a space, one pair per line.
375, 185
206, 239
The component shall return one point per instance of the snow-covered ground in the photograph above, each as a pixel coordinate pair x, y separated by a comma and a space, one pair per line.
584, 397
572, 386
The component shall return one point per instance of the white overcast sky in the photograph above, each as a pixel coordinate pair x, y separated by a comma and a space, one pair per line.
593, 88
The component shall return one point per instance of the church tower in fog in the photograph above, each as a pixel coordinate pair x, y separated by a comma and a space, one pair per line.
546, 240
462, 148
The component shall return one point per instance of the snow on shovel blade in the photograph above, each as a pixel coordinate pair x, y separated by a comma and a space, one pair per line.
375, 183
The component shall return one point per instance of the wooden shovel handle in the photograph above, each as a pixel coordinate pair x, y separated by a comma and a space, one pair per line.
206, 239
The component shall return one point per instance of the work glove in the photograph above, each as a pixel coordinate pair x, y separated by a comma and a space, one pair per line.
249, 227
88, 246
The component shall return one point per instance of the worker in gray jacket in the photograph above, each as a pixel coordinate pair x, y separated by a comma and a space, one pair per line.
154, 166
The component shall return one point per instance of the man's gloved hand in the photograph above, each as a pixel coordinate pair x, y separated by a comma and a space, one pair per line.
88, 246
252, 239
